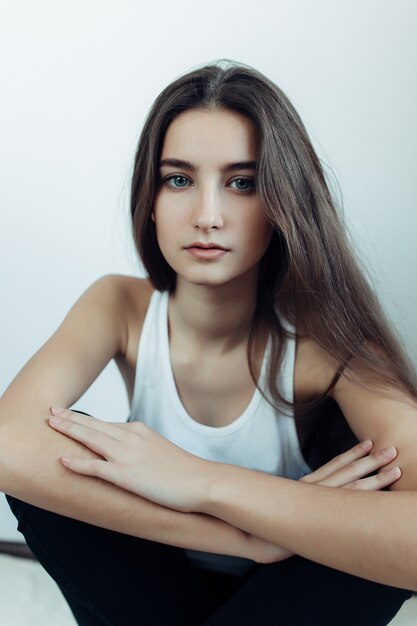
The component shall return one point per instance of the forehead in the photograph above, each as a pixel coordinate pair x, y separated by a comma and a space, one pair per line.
201, 132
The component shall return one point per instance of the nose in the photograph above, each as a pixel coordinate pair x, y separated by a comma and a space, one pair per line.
208, 213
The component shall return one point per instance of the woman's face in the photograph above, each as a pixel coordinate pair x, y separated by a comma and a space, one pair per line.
201, 200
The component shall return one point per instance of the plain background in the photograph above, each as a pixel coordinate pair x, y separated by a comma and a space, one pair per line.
77, 80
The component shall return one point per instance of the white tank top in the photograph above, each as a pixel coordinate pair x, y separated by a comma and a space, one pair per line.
261, 438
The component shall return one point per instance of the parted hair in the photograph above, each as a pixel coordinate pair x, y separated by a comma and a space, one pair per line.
309, 276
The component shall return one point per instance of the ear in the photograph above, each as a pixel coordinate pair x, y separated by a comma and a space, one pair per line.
152, 216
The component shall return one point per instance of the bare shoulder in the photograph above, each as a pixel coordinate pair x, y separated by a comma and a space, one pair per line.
313, 371
135, 290
124, 299
125, 286
127, 291
94, 331
133, 296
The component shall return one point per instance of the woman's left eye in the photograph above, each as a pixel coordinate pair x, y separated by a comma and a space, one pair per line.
244, 184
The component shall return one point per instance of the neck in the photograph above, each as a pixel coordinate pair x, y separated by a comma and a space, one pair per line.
212, 319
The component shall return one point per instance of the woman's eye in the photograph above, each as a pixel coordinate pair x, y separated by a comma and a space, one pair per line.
244, 184
180, 181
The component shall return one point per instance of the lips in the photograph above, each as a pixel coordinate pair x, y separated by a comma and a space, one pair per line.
207, 246
206, 251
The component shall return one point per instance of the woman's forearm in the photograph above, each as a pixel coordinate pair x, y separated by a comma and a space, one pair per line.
367, 534
30, 470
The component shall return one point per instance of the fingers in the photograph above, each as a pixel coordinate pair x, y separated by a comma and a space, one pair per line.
359, 468
99, 469
109, 428
351, 466
93, 436
374, 483
340, 461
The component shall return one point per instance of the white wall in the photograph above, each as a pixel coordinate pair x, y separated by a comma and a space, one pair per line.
76, 82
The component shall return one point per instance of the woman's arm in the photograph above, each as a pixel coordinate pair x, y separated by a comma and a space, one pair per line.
30, 470
140, 460
371, 535
90, 336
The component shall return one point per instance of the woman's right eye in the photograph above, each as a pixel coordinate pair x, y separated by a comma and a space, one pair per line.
180, 181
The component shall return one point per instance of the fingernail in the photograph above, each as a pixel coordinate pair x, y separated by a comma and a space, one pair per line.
389, 451
394, 472
55, 420
365, 444
57, 410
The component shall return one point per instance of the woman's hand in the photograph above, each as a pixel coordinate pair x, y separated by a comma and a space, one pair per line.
348, 469
345, 471
136, 458
140, 460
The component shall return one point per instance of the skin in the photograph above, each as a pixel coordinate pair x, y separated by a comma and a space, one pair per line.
211, 306
213, 300
237, 508
138, 459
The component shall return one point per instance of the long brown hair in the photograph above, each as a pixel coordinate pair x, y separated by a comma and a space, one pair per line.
309, 275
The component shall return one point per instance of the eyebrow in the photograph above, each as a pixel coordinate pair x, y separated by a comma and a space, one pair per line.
227, 167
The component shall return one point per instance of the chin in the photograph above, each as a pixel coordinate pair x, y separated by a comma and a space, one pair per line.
202, 279
211, 274
205, 282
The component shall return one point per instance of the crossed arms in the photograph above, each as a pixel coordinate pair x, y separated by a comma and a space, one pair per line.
368, 534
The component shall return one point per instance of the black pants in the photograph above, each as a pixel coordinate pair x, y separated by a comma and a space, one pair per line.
118, 580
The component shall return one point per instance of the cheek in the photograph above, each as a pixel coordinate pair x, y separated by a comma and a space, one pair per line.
260, 231
166, 227
167, 230
166, 212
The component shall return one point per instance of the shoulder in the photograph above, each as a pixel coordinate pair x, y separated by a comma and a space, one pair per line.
123, 286
92, 333
121, 299
126, 291
386, 415
314, 369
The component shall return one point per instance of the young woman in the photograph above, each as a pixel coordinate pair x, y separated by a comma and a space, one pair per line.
256, 357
